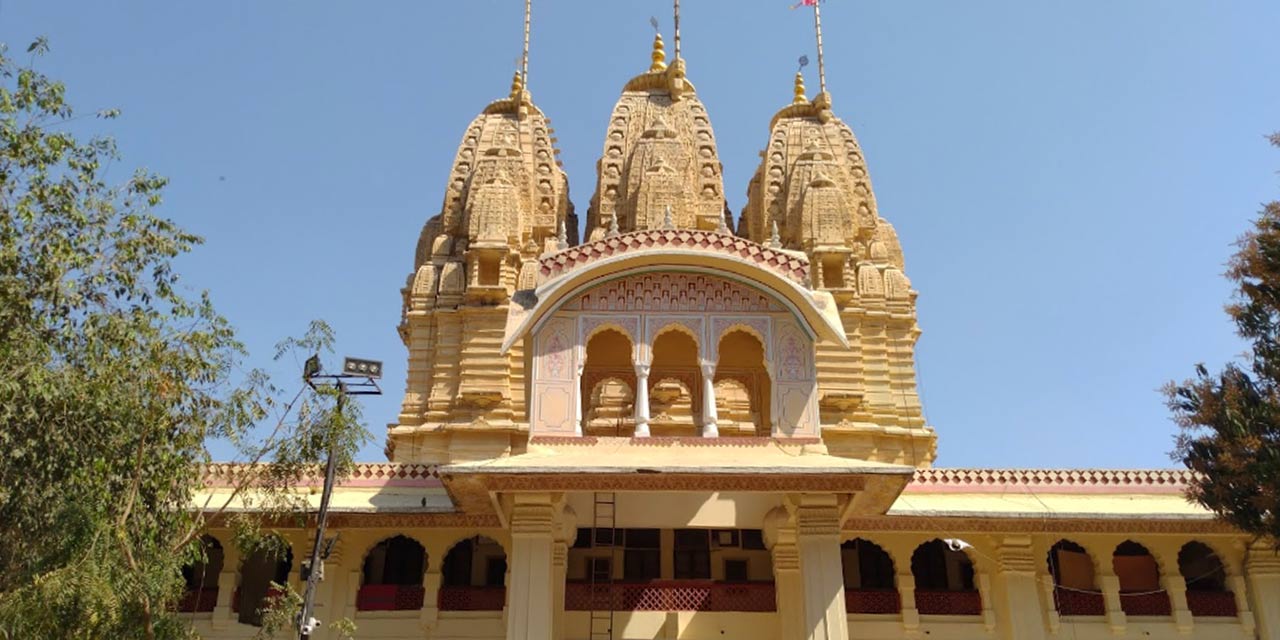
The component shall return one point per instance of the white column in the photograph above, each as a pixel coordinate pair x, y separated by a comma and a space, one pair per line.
788, 588
530, 595
709, 417
1262, 571
642, 400
1116, 618
821, 571
578, 426
1016, 589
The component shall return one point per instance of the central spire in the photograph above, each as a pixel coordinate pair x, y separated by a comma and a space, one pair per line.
659, 154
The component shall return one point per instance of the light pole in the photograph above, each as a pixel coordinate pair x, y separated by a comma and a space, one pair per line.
358, 378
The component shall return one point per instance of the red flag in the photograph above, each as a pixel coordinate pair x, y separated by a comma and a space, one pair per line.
805, 3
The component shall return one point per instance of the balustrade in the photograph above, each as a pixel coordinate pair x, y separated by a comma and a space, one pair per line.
389, 597
671, 596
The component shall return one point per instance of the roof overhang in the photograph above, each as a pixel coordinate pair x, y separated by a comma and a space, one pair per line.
815, 311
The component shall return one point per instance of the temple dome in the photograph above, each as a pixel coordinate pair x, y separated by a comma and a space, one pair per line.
813, 183
659, 152
506, 186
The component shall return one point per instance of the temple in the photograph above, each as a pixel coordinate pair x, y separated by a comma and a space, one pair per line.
683, 427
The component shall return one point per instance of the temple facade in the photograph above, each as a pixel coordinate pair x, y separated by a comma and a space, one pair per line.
683, 426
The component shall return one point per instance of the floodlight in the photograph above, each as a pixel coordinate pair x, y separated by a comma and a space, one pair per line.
361, 367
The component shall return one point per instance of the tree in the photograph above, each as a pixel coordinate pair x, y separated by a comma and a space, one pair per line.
1230, 421
112, 382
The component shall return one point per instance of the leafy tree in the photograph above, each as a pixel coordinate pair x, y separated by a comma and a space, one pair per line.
1231, 420
112, 381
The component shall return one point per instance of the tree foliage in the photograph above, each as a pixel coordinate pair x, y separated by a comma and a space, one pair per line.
1231, 420
113, 379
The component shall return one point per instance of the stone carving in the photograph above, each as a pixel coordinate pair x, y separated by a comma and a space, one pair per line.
673, 292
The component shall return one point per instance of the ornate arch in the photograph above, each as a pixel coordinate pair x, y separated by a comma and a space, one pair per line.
426, 553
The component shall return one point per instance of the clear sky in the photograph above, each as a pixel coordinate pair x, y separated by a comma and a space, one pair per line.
1066, 177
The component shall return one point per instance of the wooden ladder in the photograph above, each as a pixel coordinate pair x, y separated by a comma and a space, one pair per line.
604, 533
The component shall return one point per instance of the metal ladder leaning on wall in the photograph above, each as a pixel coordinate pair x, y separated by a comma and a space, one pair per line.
604, 532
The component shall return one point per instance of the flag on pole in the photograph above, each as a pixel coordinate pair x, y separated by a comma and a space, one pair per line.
805, 3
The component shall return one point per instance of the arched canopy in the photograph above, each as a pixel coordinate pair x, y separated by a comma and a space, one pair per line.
815, 310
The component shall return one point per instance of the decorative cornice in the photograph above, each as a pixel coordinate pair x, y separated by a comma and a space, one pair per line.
368, 474
989, 524
793, 266
1166, 481
670, 441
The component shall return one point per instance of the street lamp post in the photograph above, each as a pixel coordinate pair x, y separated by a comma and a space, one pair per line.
358, 378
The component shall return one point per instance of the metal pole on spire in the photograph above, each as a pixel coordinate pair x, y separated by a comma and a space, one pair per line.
676, 27
524, 58
817, 28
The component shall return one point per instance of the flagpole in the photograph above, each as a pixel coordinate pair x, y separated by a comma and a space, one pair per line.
524, 58
817, 28
676, 28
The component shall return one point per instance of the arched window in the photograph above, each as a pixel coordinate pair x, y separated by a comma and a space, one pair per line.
270, 563
474, 576
392, 579
1139, 575
675, 385
741, 363
608, 384
944, 579
1207, 593
1075, 589
869, 585
201, 577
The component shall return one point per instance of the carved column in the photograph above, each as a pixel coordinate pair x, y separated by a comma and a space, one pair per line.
567, 531
1116, 618
529, 586
583, 394
1175, 585
1262, 571
709, 417
222, 615
818, 540
1015, 589
780, 533
907, 591
642, 400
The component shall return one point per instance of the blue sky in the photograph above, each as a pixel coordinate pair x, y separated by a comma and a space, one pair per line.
1066, 178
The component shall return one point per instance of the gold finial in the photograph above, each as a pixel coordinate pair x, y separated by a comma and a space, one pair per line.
659, 55
517, 85
799, 90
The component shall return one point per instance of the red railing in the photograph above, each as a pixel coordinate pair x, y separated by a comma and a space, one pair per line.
272, 593
949, 603
1212, 603
676, 595
1146, 604
1079, 603
872, 601
389, 597
198, 600
472, 598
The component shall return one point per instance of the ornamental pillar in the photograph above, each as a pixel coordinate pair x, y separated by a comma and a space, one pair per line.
1175, 585
1015, 590
818, 541
709, 417
1116, 618
222, 615
642, 400
529, 584
583, 395
1262, 572
566, 532
907, 592
780, 534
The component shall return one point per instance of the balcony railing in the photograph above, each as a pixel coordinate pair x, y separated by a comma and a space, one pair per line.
389, 597
472, 598
1079, 603
872, 601
272, 594
948, 603
1146, 604
198, 600
677, 595
1212, 603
